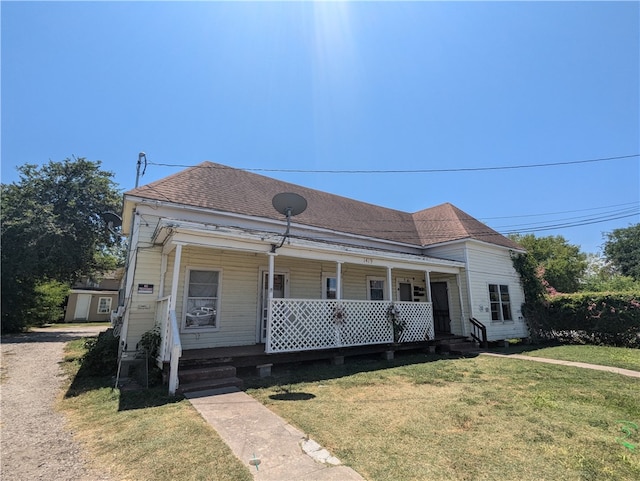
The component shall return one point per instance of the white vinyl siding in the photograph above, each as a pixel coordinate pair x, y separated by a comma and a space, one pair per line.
492, 265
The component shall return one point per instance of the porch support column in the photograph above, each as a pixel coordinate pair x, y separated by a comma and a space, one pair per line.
338, 280
389, 286
175, 277
464, 316
272, 257
427, 283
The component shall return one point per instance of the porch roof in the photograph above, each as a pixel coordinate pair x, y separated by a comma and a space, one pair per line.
172, 232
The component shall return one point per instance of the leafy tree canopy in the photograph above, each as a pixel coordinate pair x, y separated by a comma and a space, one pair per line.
52, 229
622, 249
563, 264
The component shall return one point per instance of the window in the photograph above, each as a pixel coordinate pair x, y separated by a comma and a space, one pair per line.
201, 302
500, 302
329, 287
104, 305
375, 289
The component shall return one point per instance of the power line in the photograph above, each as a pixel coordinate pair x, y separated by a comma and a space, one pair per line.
412, 171
627, 205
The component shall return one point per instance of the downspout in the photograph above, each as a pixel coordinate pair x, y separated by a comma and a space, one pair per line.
163, 273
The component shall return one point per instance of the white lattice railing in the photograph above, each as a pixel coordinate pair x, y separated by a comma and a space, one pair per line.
306, 324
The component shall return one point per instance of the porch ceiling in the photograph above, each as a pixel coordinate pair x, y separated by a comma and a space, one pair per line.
171, 233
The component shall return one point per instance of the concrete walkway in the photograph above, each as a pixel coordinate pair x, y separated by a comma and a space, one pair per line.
273, 449
584, 365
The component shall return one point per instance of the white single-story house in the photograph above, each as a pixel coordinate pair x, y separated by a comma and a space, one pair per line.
92, 300
218, 258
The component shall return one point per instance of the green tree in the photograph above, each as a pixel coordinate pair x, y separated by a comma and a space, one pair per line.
53, 230
622, 249
602, 276
562, 264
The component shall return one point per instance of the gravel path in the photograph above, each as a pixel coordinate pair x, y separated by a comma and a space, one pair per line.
35, 442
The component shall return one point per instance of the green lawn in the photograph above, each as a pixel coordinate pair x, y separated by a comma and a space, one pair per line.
605, 356
477, 418
418, 417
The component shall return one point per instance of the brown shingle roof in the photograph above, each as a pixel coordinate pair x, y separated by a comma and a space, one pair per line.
215, 186
445, 223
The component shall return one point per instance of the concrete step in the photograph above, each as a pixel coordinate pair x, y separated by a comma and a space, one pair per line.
206, 384
205, 373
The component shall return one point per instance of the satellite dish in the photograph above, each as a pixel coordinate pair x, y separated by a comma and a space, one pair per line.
112, 220
289, 203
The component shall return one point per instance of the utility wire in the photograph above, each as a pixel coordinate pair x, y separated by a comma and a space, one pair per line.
411, 171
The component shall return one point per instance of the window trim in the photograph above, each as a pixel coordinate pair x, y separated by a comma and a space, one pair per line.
384, 286
187, 278
323, 287
109, 304
500, 303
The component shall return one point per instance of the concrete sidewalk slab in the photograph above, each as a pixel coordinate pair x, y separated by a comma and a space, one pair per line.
273, 449
584, 365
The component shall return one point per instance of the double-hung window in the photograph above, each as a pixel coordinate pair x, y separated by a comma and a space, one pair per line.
375, 289
202, 299
329, 287
500, 302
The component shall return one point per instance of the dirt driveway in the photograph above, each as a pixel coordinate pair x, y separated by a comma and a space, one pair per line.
35, 444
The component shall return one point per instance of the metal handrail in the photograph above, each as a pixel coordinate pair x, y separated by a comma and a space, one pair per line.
479, 332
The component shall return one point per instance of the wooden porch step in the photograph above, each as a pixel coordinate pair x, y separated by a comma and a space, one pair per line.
456, 345
206, 384
206, 372
200, 378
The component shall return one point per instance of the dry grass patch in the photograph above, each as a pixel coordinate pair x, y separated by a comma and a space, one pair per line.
466, 419
144, 435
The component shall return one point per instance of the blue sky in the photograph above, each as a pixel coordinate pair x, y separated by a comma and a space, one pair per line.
434, 90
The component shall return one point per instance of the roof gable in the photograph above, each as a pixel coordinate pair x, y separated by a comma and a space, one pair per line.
447, 223
218, 187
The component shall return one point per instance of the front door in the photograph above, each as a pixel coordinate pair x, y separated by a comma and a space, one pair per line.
405, 291
440, 299
279, 288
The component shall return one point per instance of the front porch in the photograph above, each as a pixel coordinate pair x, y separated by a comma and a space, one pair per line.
307, 329
210, 368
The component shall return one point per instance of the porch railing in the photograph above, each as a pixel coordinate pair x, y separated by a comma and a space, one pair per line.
308, 324
170, 345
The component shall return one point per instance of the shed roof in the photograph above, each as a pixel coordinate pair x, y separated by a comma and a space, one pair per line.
218, 187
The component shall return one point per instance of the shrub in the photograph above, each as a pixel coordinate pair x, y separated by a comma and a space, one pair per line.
101, 358
590, 318
47, 303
